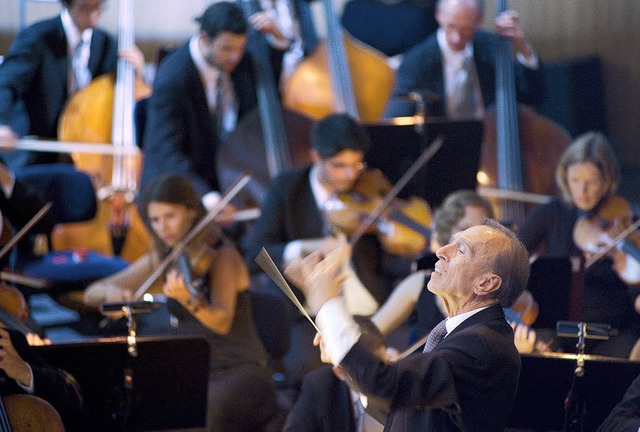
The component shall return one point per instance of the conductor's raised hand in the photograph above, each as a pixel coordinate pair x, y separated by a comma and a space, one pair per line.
320, 278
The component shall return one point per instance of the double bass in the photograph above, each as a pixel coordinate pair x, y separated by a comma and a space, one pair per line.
516, 140
280, 135
323, 83
103, 112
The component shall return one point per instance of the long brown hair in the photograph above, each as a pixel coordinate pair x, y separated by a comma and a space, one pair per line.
170, 189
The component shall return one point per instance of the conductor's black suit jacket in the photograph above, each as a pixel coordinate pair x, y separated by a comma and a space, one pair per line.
467, 383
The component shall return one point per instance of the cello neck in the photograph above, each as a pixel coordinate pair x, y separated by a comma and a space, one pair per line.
507, 135
344, 100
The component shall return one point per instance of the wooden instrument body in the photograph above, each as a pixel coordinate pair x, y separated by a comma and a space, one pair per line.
103, 112
26, 413
309, 90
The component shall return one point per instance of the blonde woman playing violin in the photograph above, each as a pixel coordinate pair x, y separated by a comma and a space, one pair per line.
587, 175
217, 305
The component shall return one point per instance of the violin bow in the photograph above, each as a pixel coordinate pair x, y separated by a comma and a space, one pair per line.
197, 229
426, 155
624, 234
25, 229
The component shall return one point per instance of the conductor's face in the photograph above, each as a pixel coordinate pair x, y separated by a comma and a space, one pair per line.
85, 14
462, 276
223, 51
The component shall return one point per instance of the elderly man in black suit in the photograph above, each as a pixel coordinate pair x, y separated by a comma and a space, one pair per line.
467, 377
47, 63
455, 67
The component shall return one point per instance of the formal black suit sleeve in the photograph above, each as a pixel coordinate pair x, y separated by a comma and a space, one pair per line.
324, 404
167, 129
18, 71
51, 384
270, 230
625, 416
455, 387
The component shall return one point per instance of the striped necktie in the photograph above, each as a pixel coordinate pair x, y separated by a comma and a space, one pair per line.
465, 100
437, 334
80, 68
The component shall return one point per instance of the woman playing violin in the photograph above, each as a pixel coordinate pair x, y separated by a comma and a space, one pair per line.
218, 308
587, 175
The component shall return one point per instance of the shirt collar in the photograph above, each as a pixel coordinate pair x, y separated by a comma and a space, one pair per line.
207, 72
71, 31
456, 320
320, 193
449, 56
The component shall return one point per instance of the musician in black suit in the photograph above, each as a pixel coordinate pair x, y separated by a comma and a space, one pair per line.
23, 371
326, 403
294, 222
625, 416
468, 380
19, 203
38, 75
202, 90
460, 59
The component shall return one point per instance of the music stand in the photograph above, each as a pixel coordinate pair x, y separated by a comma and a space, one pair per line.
163, 387
550, 284
546, 378
455, 166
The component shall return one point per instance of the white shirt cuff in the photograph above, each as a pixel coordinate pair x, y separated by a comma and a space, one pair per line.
29, 389
531, 63
339, 330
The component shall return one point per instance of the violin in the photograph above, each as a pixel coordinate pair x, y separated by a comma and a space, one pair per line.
526, 307
611, 230
194, 264
403, 226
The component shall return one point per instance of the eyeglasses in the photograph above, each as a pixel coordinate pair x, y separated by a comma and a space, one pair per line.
340, 166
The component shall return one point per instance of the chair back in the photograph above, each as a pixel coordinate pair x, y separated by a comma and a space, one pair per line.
273, 323
70, 190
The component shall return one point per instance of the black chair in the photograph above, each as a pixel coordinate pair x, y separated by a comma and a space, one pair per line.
74, 200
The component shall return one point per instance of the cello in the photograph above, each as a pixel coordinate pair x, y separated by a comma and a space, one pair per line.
323, 84
108, 102
515, 140
22, 412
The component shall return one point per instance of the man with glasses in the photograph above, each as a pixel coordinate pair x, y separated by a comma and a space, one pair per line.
294, 223
47, 63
